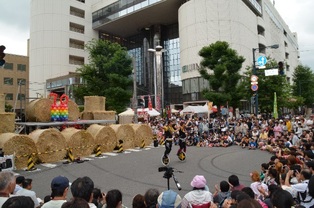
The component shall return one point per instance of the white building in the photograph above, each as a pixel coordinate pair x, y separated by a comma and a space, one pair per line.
60, 28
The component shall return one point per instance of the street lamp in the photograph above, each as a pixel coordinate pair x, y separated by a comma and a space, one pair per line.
158, 77
275, 46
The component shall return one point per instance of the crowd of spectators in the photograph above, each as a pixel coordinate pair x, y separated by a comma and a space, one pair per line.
286, 180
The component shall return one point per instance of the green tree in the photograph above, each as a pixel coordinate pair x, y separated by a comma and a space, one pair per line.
303, 79
8, 107
107, 74
220, 66
267, 85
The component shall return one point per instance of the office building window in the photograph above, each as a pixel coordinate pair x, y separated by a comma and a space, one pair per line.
76, 44
21, 67
77, 12
8, 81
21, 96
9, 96
76, 28
8, 66
21, 81
76, 60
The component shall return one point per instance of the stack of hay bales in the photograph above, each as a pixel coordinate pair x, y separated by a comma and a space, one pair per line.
94, 109
50, 144
125, 133
103, 136
7, 121
20, 145
80, 141
142, 132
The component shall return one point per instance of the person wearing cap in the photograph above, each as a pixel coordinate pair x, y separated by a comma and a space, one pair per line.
169, 199
59, 191
199, 196
26, 191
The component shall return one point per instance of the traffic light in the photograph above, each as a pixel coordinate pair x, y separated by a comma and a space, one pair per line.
141, 103
2, 55
281, 70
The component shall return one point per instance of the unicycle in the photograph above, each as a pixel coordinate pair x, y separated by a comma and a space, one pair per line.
182, 156
165, 160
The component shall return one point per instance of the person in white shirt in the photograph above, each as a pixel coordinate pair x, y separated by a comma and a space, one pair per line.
7, 185
26, 191
59, 191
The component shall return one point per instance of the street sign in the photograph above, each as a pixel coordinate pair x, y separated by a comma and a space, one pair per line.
254, 78
262, 60
271, 72
254, 87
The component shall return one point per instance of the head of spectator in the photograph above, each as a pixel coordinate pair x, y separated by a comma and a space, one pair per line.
224, 186
83, 188
234, 181
138, 201
19, 202
47, 198
97, 197
198, 182
249, 192
27, 183
310, 165
168, 199
114, 198
150, 198
255, 176
19, 180
245, 203
7, 183
59, 187
282, 199
76, 203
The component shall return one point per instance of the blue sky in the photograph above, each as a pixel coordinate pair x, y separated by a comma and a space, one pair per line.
298, 14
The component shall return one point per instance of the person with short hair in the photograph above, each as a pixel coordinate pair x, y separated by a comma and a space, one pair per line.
222, 192
18, 202
150, 198
59, 191
234, 183
83, 188
138, 201
114, 199
19, 181
26, 191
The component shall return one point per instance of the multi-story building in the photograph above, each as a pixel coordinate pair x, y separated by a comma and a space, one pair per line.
59, 30
14, 81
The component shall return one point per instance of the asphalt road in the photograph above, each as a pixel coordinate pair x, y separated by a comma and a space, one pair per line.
133, 172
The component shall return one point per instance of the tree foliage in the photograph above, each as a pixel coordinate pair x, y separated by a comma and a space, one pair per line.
303, 79
220, 66
107, 74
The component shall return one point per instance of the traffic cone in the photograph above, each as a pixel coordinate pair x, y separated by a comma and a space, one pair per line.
30, 163
97, 151
142, 144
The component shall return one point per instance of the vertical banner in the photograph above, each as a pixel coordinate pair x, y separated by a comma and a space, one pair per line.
158, 103
275, 114
150, 105
210, 107
168, 111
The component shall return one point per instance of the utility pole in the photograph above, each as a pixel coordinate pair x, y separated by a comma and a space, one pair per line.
134, 92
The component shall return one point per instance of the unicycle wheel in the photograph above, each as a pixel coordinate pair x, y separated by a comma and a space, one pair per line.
182, 156
165, 160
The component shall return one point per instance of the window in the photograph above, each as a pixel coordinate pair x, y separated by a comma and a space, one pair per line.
8, 81
76, 44
22, 81
21, 67
76, 28
8, 66
9, 96
21, 96
76, 60
77, 12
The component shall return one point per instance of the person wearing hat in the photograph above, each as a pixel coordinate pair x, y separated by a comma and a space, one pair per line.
169, 199
59, 191
199, 196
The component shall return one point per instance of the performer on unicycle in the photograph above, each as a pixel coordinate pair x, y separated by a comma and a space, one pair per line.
169, 130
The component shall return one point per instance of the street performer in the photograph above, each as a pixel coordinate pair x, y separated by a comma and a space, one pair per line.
169, 129
182, 136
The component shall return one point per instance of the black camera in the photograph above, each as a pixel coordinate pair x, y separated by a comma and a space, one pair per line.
168, 174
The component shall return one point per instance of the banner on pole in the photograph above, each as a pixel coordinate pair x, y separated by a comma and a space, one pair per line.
275, 106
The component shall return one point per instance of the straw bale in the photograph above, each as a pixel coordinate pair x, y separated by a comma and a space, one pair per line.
7, 122
87, 115
81, 141
2, 103
74, 112
20, 145
39, 110
50, 144
104, 136
104, 115
142, 132
124, 132
94, 103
